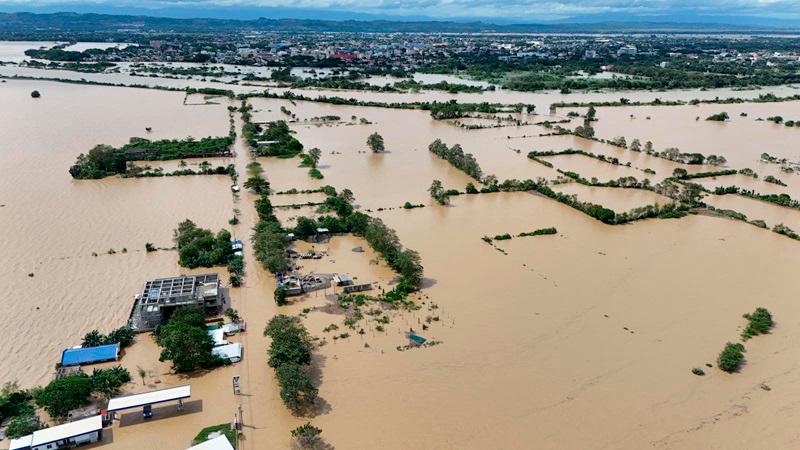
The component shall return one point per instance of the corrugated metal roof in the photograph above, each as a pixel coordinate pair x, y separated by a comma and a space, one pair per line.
149, 398
75, 356
66, 431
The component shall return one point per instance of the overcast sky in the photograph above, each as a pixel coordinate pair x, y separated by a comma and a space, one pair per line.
515, 10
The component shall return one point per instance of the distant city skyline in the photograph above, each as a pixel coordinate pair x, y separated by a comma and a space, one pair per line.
761, 12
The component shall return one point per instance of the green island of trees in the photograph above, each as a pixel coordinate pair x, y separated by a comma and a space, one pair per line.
105, 160
269, 239
199, 247
290, 355
275, 140
455, 155
185, 341
539, 232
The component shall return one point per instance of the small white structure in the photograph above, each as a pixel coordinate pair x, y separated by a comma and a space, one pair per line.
218, 335
234, 327
70, 434
231, 352
218, 443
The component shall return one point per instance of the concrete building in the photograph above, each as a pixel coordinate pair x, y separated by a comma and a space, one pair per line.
627, 50
159, 298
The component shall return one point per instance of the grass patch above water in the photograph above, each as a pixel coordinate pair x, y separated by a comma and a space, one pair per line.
224, 428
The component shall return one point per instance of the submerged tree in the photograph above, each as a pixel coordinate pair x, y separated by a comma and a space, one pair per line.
438, 193
313, 157
375, 143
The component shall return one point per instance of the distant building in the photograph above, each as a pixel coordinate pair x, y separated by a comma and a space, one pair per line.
159, 298
627, 50
590, 54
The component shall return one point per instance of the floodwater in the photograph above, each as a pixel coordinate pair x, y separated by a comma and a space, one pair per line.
67, 290
582, 339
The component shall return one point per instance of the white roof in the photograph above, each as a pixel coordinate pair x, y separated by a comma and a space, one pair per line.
149, 398
218, 443
229, 351
233, 327
23, 442
218, 335
66, 431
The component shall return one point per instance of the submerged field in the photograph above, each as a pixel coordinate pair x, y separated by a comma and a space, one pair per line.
585, 338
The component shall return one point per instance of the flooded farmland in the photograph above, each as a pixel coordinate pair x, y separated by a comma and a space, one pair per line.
584, 338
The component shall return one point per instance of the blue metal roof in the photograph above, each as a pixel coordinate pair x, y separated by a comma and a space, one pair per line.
74, 356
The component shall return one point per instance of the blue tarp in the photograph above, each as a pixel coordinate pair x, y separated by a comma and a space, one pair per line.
419, 340
74, 356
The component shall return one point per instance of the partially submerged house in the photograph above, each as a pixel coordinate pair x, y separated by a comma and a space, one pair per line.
68, 435
159, 298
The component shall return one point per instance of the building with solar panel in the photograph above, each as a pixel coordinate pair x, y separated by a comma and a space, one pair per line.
159, 298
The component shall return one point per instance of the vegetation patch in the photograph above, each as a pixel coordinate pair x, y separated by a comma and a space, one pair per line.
539, 232
105, 160
224, 428
758, 322
290, 355
199, 247
731, 357
185, 341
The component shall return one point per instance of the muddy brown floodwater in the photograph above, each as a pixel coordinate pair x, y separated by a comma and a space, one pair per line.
582, 339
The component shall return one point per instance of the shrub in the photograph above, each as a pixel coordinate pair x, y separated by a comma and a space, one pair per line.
731, 357
759, 322
35, 94
698, 371
23, 425
109, 381
719, 117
